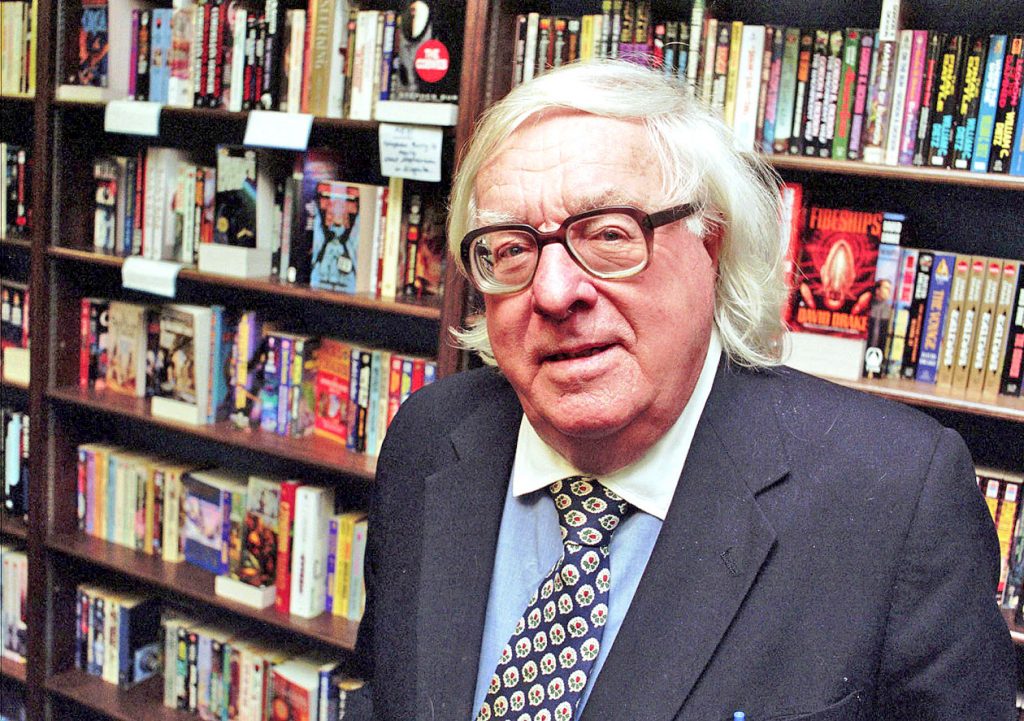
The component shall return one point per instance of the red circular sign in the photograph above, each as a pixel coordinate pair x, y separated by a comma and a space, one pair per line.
432, 61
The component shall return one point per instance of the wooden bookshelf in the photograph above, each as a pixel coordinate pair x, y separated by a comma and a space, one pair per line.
196, 584
14, 670
994, 181
144, 701
427, 309
314, 451
12, 526
17, 243
928, 396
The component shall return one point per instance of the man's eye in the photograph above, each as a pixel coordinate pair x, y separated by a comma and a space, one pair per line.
510, 251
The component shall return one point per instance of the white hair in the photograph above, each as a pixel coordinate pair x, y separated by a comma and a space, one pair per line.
737, 194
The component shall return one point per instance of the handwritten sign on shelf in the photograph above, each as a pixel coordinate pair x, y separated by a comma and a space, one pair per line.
410, 151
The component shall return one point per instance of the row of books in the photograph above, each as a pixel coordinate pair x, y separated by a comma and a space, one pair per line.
14, 331
259, 215
16, 198
202, 365
866, 304
330, 58
269, 541
117, 634
13, 602
14, 426
224, 673
18, 30
889, 95
1002, 491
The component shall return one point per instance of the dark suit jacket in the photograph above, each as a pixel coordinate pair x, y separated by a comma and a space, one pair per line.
827, 556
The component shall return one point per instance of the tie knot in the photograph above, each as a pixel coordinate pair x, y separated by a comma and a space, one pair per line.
588, 512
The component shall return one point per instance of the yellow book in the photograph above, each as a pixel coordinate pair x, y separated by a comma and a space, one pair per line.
586, 37
1005, 523
990, 486
732, 79
343, 562
983, 334
1000, 326
968, 328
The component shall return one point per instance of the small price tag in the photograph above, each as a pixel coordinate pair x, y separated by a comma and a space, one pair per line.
270, 129
410, 151
132, 117
159, 277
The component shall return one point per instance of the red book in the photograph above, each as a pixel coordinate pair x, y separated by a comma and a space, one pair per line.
285, 534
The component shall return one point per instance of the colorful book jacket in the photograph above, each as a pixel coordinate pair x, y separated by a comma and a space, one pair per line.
839, 252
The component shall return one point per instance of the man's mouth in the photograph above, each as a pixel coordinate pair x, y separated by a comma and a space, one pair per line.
583, 353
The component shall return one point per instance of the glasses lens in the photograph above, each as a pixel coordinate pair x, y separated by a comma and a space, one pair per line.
608, 244
503, 260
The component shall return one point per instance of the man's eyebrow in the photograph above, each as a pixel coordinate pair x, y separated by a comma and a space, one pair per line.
579, 204
494, 217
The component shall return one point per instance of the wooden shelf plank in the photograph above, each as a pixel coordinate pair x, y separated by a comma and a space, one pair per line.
428, 309
311, 451
144, 701
12, 670
927, 395
13, 526
192, 582
889, 172
23, 244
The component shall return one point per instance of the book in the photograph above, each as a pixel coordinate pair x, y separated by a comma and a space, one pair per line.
285, 532
908, 45
969, 326
916, 313
880, 314
1007, 105
934, 317
423, 231
954, 321
126, 366
839, 251
987, 106
184, 363
947, 76
965, 123
259, 546
897, 340
918, 76
985, 321
332, 390
1000, 328
235, 218
313, 508
207, 504
1013, 360
830, 93
862, 88
338, 224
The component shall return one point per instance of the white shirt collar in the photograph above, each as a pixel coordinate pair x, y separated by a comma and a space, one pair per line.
650, 482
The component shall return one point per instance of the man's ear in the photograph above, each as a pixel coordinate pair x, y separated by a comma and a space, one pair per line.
713, 238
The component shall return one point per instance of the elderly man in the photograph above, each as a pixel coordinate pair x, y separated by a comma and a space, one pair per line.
638, 514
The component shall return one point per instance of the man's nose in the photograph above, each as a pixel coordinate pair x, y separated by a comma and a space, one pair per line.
560, 285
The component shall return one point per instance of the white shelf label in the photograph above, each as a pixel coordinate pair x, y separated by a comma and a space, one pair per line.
410, 151
159, 277
271, 129
132, 117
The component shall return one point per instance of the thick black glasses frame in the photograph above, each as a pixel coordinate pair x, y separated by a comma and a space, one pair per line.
647, 222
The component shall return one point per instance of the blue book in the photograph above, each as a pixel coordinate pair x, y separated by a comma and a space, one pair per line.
901, 312
159, 54
208, 501
935, 315
987, 109
336, 231
270, 388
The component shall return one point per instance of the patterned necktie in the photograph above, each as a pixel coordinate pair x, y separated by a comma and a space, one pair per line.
545, 666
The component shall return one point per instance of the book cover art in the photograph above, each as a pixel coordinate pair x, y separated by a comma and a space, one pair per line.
176, 360
839, 251
259, 544
208, 498
332, 390
126, 368
880, 314
336, 231
235, 213
311, 168
1007, 105
965, 124
93, 46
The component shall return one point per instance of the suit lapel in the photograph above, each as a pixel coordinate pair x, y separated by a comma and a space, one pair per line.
464, 503
710, 549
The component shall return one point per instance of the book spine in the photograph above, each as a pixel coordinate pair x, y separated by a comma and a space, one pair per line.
787, 90
954, 321
1013, 360
986, 316
987, 107
900, 90
965, 125
285, 530
969, 329
946, 99
901, 313
912, 111
922, 280
931, 334
803, 77
997, 348
865, 55
332, 561
1007, 106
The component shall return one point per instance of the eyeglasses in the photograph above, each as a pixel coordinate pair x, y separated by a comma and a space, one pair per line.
608, 243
